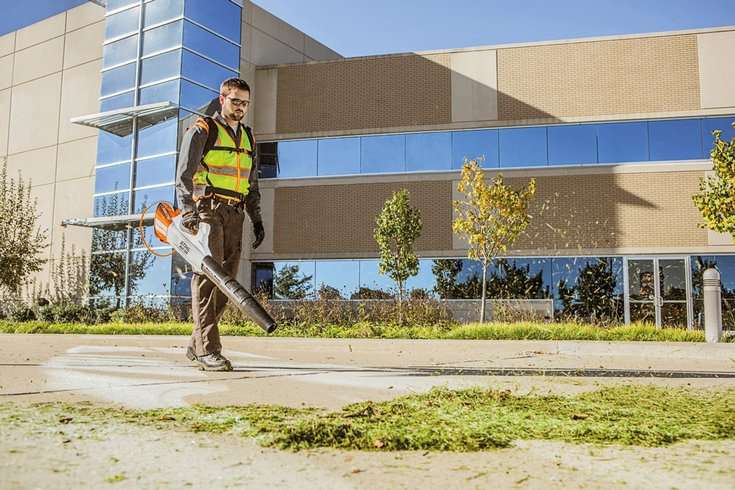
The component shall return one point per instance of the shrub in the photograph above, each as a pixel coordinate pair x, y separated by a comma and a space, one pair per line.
319, 313
74, 313
20, 312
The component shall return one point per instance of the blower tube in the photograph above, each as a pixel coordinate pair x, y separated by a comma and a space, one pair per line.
238, 294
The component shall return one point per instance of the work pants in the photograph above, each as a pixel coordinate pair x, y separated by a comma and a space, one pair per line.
207, 301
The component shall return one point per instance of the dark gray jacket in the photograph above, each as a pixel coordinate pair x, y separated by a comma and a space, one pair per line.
190, 158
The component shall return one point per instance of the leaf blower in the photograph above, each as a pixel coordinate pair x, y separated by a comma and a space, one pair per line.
194, 248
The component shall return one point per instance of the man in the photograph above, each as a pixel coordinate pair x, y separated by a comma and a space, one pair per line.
216, 180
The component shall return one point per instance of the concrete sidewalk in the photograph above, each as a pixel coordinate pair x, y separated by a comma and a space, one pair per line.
151, 371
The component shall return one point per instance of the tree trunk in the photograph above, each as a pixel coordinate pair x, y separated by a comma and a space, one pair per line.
484, 291
400, 302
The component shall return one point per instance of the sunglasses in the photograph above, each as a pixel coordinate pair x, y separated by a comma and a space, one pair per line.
238, 102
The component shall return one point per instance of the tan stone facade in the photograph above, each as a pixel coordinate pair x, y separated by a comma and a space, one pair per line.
50, 72
407, 90
604, 211
628, 77
603, 78
338, 220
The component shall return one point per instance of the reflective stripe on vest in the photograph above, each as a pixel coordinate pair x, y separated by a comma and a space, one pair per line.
227, 165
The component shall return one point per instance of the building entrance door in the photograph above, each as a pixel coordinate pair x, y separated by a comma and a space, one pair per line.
658, 291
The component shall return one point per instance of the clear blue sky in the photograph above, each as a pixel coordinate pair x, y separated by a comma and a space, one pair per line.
20, 13
361, 27
355, 28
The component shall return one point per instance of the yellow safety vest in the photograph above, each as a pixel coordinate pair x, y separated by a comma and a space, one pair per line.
226, 166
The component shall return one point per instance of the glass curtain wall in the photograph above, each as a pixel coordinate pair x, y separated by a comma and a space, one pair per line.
581, 287
584, 288
540, 146
154, 51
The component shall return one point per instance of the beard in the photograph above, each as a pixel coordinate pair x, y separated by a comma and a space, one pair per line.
235, 115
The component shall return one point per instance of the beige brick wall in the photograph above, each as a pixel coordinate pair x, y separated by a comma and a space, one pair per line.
52, 71
625, 76
613, 211
340, 219
404, 90
601, 79
571, 214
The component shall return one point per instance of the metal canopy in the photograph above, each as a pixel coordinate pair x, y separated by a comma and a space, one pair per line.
120, 121
110, 222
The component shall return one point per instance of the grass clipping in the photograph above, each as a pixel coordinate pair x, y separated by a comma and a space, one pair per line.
445, 420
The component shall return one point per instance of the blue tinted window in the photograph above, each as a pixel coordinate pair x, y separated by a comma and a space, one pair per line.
149, 274
475, 144
120, 51
424, 280
339, 156
222, 16
383, 154
205, 72
114, 178
159, 11
160, 67
523, 147
519, 278
725, 265
572, 144
162, 92
679, 139
180, 279
710, 124
457, 278
337, 279
107, 240
117, 101
118, 79
154, 171
293, 280
195, 97
116, 4
428, 151
150, 238
211, 46
297, 158
111, 148
373, 284
107, 275
157, 139
112, 204
146, 198
574, 278
622, 142
160, 38
122, 23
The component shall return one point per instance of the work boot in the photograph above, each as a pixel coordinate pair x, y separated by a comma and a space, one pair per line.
210, 362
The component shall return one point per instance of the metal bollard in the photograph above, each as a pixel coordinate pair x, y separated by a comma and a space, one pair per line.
712, 306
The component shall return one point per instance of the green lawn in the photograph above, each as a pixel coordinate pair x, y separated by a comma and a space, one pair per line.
488, 331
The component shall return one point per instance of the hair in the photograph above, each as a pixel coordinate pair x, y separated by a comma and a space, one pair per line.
232, 84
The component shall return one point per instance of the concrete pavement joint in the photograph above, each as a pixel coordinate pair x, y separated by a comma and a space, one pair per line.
159, 383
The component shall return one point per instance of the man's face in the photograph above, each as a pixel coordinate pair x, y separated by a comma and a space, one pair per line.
235, 105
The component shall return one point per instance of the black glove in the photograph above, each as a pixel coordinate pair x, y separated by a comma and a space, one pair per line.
259, 233
190, 221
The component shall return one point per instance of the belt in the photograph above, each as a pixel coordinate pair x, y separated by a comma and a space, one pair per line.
230, 198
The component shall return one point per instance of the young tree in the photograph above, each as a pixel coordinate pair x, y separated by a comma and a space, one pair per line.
396, 229
716, 198
491, 217
21, 238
